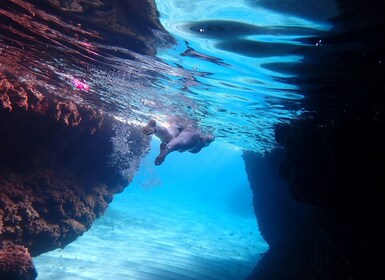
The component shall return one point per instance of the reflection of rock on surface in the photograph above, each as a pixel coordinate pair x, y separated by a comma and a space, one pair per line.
58, 172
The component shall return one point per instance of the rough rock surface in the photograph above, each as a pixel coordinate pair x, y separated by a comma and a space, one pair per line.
130, 24
62, 160
60, 165
15, 262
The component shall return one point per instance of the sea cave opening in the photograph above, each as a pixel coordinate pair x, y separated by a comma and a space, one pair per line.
190, 218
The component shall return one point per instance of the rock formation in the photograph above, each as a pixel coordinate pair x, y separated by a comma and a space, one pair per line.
60, 165
15, 262
324, 219
61, 159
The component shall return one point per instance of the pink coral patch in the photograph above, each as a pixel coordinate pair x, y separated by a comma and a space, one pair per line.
80, 84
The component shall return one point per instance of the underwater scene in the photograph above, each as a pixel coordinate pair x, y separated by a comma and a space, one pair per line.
174, 139
171, 222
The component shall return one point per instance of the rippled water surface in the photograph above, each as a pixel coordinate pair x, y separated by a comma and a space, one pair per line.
240, 54
226, 67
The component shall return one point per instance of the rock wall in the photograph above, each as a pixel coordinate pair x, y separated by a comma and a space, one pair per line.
61, 159
15, 262
133, 24
60, 165
288, 226
324, 221
324, 218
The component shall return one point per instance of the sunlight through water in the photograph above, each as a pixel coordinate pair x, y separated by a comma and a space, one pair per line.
229, 46
227, 69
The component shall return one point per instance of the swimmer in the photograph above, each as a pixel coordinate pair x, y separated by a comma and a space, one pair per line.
177, 138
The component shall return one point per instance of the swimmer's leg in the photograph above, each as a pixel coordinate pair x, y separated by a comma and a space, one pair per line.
186, 140
164, 150
150, 127
182, 143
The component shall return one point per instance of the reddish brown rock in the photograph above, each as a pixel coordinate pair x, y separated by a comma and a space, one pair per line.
16, 262
60, 165
62, 160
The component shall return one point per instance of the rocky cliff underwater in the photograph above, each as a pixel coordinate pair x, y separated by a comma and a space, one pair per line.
61, 161
317, 195
330, 161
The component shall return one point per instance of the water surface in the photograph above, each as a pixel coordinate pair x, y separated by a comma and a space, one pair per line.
227, 68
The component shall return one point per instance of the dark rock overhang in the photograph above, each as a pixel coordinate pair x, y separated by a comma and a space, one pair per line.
323, 218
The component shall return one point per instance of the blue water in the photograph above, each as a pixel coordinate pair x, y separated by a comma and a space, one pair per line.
229, 71
190, 218
231, 48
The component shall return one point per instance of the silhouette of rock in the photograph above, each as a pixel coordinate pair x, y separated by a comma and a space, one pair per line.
325, 221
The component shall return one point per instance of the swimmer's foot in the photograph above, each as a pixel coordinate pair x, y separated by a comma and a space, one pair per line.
149, 128
162, 155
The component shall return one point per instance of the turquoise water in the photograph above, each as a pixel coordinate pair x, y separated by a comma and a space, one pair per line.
229, 71
190, 218
232, 49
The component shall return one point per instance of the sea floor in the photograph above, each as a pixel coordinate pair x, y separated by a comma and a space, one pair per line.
163, 230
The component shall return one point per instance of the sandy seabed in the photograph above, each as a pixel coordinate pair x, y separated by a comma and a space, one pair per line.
163, 232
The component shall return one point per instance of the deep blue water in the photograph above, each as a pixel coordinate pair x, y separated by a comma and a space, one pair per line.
192, 217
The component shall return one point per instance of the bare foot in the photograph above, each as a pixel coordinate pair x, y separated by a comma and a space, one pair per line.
162, 155
149, 128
